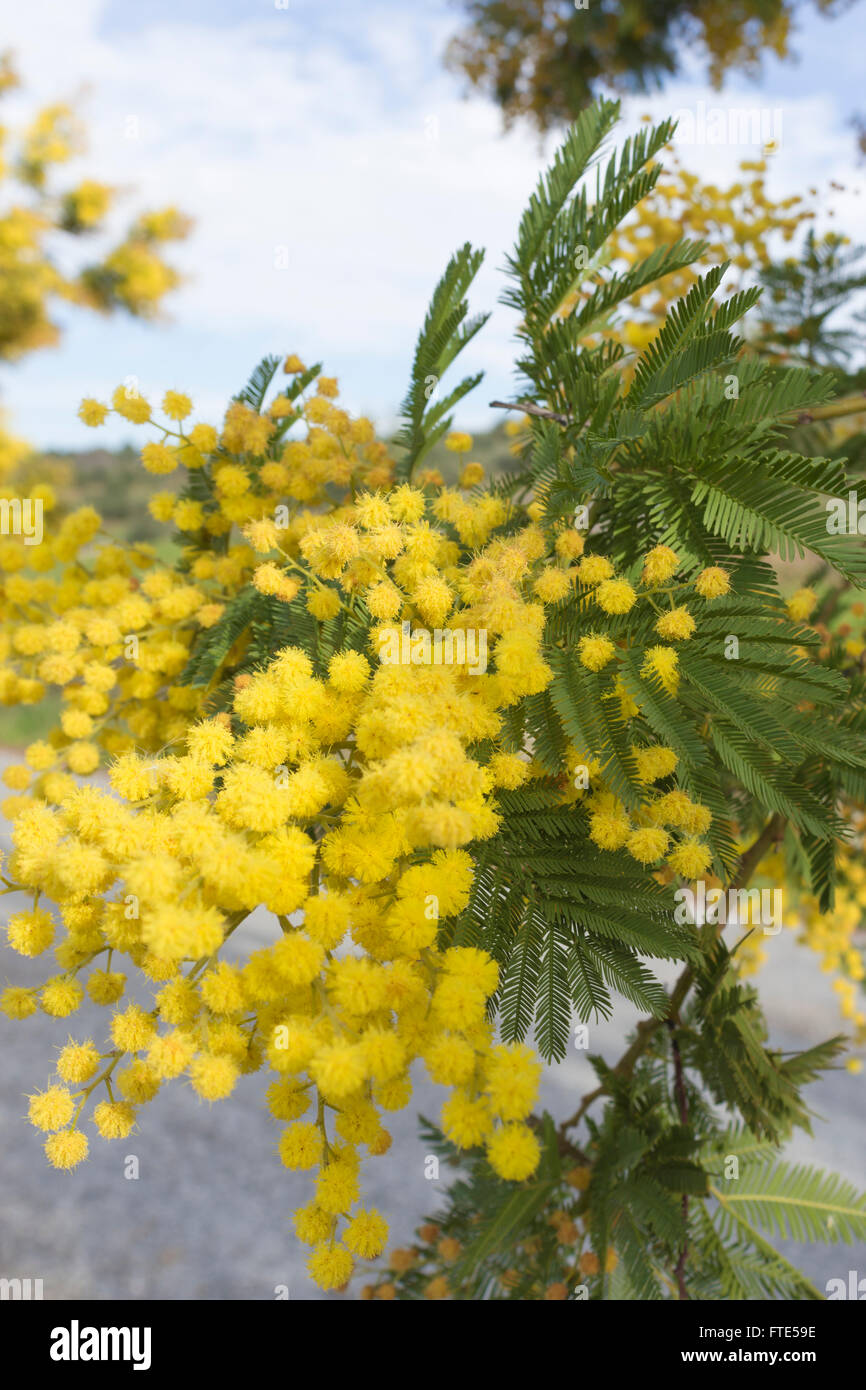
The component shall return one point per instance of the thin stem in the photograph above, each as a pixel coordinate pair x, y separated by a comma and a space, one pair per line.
683, 1111
648, 1027
529, 408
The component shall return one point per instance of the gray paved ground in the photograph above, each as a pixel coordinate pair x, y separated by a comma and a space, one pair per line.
208, 1217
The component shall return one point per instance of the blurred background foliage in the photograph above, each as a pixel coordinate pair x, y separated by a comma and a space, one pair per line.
39, 219
544, 60
540, 60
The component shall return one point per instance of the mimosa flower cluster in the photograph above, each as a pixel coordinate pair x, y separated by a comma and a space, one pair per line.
343, 797
340, 802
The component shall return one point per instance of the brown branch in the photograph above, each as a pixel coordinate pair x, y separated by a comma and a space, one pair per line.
848, 405
770, 835
683, 1110
529, 408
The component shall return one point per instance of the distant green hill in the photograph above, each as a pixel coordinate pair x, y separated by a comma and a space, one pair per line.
114, 482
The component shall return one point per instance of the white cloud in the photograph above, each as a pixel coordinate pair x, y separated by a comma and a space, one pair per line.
348, 151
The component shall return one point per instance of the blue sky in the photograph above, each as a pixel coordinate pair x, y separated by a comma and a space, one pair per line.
329, 138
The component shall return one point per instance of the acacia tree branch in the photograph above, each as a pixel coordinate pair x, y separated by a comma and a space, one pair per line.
683, 1111
847, 405
834, 410
529, 408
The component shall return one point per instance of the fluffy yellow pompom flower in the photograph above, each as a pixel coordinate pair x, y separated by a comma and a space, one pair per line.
170, 1055
176, 405
593, 569
674, 808
129, 403
647, 844
330, 1266
17, 776
508, 770
114, 1119
615, 596
662, 663
465, 1121
158, 459
106, 987
801, 605
366, 1234
213, 1077
231, 480
339, 1070
312, 1224
655, 763
132, 1030
552, 584
297, 959
569, 544
608, 829
67, 1148
40, 755
188, 515
660, 564
203, 438
513, 1152
60, 997
690, 859
433, 599
323, 604
384, 600
458, 442
348, 672
82, 758
51, 1109
286, 1100
17, 1002
372, 512
138, 1082
222, 989
450, 1060
394, 1094
337, 1187
30, 933
595, 652
471, 475
211, 740
384, 1054
698, 820
472, 965
676, 626
713, 582
326, 919
78, 1061
407, 503
511, 1081
176, 932
92, 412
132, 778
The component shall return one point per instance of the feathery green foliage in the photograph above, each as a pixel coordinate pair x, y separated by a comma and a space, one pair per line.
693, 448
690, 446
